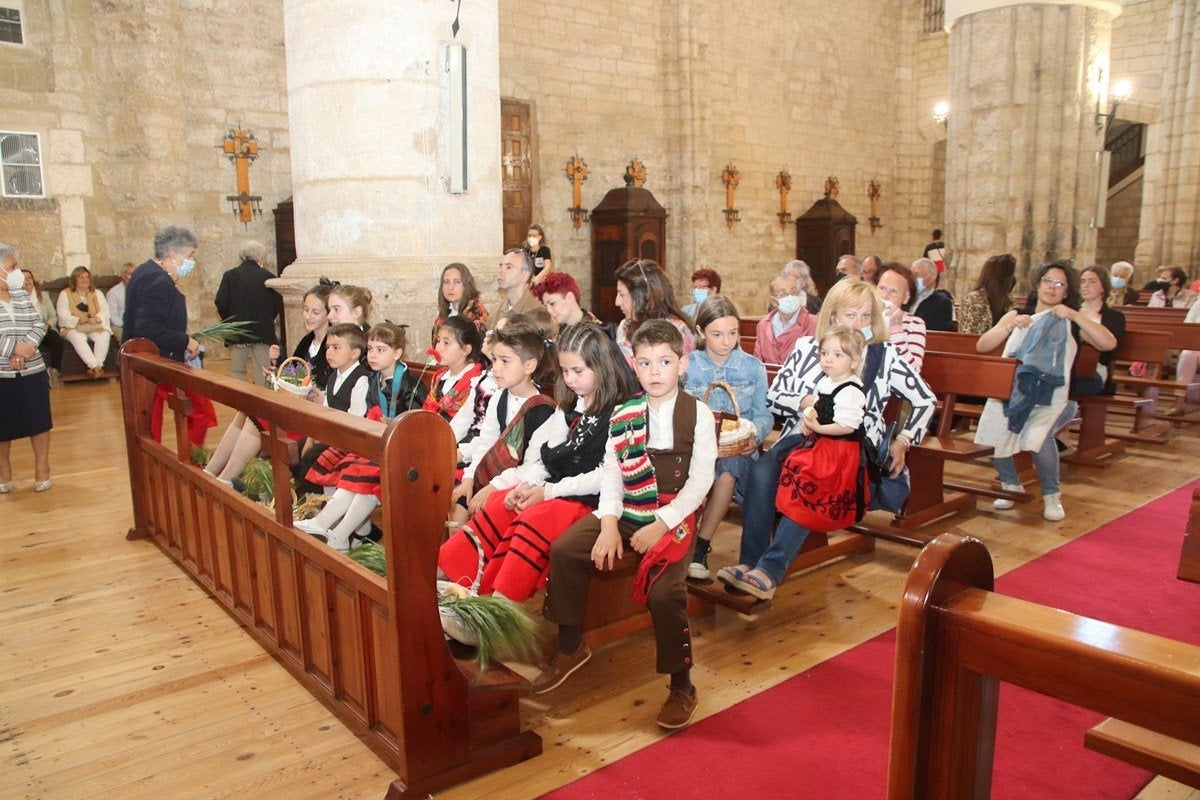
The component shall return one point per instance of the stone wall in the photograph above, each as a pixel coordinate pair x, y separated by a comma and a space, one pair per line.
1118, 239
131, 101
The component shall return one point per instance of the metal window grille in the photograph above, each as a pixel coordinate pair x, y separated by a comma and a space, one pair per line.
10, 26
933, 14
21, 164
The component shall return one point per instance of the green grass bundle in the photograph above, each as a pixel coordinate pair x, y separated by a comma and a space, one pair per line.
371, 556
200, 456
258, 478
499, 625
225, 331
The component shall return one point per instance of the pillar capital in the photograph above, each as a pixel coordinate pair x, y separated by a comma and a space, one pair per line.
957, 9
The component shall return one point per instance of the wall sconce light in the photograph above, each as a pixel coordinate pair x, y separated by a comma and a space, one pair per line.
1121, 91
783, 182
941, 112
241, 148
873, 194
731, 178
577, 172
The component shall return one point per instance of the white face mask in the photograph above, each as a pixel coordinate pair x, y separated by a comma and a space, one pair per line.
533, 242
15, 280
789, 304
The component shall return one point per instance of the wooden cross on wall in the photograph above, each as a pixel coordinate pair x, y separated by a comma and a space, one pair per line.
241, 148
637, 173
577, 172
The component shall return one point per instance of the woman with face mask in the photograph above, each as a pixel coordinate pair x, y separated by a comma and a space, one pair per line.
539, 252
24, 387
706, 283
789, 320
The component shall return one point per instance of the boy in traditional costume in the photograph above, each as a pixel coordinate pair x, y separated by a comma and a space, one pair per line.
657, 470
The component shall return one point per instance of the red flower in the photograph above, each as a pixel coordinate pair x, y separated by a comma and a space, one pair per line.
434, 357
375, 413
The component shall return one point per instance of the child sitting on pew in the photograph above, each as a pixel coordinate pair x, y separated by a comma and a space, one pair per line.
347, 386
658, 467
459, 347
519, 415
391, 390
505, 547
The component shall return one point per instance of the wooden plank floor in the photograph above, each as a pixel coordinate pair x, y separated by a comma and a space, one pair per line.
123, 680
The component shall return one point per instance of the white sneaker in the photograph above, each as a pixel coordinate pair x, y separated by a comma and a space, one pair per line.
1053, 509
312, 529
1003, 503
337, 541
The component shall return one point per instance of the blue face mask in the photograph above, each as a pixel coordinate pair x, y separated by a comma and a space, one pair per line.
920, 285
866, 332
186, 267
1118, 283
699, 295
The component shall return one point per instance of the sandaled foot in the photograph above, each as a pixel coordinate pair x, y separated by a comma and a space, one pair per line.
5, 488
43, 486
730, 576
756, 584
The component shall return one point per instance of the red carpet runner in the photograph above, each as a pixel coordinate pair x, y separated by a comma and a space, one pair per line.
824, 733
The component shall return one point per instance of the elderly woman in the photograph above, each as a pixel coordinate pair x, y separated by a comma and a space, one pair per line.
767, 548
1046, 344
52, 343
1123, 293
643, 292
24, 389
808, 287
982, 307
83, 320
1172, 289
896, 286
778, 331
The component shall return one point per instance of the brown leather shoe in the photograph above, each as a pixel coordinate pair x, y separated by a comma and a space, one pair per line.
559, 668
678, 710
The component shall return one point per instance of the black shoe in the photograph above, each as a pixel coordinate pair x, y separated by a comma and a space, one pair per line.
698, 569
1060, 444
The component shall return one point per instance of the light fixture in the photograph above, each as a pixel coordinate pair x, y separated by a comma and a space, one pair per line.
1121, 91
941, 112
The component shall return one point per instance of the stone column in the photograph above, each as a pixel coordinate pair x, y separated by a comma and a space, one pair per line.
1022, 173
369, 109
1170, 226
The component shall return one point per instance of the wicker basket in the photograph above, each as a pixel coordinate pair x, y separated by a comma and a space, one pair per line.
299, 390
735, 436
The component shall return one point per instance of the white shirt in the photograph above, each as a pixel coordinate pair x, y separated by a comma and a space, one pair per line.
464, 418
490, 430
849, 406
531, 469
116, 304
662, 437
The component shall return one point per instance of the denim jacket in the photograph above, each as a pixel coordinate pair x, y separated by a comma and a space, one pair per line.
748, 377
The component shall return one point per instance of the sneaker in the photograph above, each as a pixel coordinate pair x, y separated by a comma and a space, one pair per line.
560, 667
312, 529
678, 710
337, 541
698, 569
1003, 503
1053, 509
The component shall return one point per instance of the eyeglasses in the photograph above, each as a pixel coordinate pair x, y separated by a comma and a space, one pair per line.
1057, 284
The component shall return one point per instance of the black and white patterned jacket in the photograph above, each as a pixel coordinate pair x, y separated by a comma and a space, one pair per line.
798, 378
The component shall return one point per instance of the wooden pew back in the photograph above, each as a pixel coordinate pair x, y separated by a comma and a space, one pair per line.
370, 648
957, 640
947, 342
1147, 314
1143, 345
1184, 335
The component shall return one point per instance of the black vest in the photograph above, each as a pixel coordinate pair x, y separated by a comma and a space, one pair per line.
582, 452
340, 399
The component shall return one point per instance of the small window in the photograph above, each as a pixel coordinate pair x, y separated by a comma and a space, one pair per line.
10, 25
21, 164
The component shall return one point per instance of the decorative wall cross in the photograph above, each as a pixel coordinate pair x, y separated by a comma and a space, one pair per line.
783, 182
731, 178
577, 172
831, 188
637, 173
241, 148
873, 194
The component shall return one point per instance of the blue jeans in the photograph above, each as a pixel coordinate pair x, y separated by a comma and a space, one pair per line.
772, 554
1045, 460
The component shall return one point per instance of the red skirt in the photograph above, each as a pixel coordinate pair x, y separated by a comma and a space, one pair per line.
515, 546
824, 485
203, 417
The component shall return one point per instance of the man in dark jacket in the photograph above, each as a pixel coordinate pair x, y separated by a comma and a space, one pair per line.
244, 297
932, 304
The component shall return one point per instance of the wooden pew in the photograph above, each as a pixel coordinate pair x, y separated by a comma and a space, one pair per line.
962, 343
1093, 448
1147, 314
1189, 559
1184, 336
1149, 347
370, 648
424, 373
957, 640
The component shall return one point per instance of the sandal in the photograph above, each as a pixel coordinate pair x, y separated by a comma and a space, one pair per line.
756, 586
732, 575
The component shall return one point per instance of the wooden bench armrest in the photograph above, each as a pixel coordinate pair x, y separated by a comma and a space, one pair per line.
1162, 755
1157, 383
951, 449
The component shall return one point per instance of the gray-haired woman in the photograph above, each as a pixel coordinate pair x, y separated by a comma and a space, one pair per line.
24, 387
